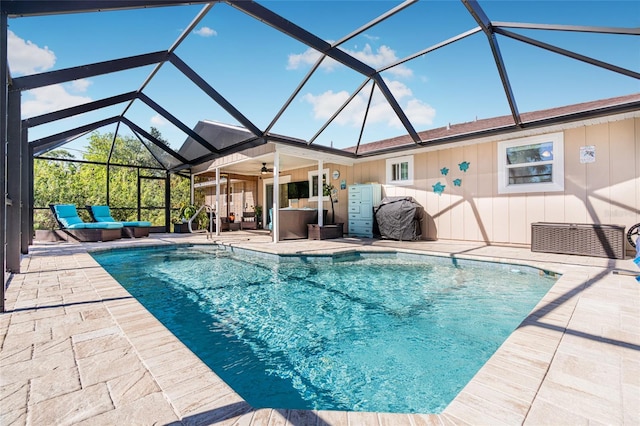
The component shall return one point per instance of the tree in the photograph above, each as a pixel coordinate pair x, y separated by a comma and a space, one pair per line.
54, 182
58, 181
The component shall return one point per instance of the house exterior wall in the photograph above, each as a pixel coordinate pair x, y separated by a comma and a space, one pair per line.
242, 197
604, 192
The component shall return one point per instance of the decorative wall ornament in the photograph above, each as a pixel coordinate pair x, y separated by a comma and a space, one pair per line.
588, 154
438, 188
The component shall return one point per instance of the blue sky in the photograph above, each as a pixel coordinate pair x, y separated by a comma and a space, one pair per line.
256, 68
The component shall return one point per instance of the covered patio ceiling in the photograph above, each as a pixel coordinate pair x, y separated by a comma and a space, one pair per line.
373, 82
252, 166
253, 161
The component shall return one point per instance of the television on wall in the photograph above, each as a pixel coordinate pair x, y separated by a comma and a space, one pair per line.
297, 190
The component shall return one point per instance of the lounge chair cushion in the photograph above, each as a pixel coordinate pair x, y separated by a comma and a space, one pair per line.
68, 217
96, 225
139, 224
67, 214
103, 214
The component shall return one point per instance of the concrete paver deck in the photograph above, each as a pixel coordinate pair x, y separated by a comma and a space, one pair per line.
76, 348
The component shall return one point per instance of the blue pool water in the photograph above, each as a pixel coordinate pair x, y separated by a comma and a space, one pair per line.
367, 332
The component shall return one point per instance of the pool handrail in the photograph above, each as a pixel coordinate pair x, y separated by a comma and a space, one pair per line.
209, 231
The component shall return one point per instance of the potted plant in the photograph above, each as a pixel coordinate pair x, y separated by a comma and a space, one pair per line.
180, 227
186, 212
331, 230
327, 191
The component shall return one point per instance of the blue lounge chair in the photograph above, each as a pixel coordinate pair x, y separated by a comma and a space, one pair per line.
72, 226
129, 229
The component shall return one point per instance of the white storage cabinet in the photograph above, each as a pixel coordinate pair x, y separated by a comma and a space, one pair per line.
362, 199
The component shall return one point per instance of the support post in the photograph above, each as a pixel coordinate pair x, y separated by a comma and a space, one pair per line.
108, 183
192, 195
14, 142
25, 184
227, 187
167, 202
4, 87
217, 207
32, 197
275, 220
139, 206
320, 195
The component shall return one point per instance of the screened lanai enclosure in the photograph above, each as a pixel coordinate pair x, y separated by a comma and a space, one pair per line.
330, 78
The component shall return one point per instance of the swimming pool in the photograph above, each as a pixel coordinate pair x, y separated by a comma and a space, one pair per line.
361, 332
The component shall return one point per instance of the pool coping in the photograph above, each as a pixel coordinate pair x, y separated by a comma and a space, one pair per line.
525, 381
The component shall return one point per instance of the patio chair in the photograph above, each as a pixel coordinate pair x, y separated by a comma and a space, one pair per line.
73, 227
224, 224
248, 221
133, 229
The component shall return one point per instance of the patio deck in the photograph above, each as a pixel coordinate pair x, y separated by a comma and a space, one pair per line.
78, 349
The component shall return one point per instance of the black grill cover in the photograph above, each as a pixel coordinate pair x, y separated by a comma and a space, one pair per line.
398, 218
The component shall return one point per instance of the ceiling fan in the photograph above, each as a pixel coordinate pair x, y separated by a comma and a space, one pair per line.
264, 170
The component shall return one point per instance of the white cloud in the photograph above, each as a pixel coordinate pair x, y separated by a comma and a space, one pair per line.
383, 56
26, 57
327, 103
80, 86
206, 32
158, 120
308, 58
49, 98
399, 89
419, 112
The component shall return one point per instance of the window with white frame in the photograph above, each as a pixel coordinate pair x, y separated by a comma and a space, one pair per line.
533, 164
313, 184
400, 170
